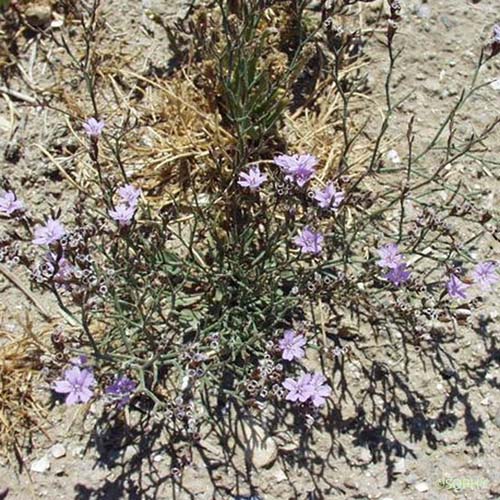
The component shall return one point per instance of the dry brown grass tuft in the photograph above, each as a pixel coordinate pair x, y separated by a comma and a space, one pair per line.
20, 411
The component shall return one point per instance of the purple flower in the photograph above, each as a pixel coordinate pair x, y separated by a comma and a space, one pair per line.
121, 390
81, 360
253, 179
319, 391
123, 214
456, 288
10, 204
485, 275
399, 274
94, 127
292, 345
496, 33
298, 390
328, 197
76, 384
64, 267
309, 241
309, 386
129, 194
389, 256
50, 233
297, 168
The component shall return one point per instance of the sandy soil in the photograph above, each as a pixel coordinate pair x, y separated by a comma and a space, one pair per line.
387, 446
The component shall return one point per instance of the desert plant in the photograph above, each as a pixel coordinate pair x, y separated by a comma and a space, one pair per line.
215, 298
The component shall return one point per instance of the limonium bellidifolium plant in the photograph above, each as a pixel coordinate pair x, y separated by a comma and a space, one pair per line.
215, 300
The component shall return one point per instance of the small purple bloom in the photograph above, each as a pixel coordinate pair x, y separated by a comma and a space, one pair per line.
253, 179
456, 288
496, 33
76, 384
10, 204
309, 241
328, 197
389, 256
485, 275
309, 386
129, 194
64, 267
121, 390
297, 168
292, 345
319, 391
399, 274
123, 214
94, 127
298, 390
50, 233
81, 360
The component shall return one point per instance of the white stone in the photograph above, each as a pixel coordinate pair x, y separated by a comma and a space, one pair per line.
424, 11
422, 487
58, 450
400, 466
79, 451
280, 475
365, 455
393, 156
41, 465
260, 448
495, 84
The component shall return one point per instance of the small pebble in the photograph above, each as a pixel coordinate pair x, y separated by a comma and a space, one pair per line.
365, 455
497, 418
411, 479
495, 84
393, 157
280, 475
422, 487
39, 16
400, 466
424, 11
58, 450
79, 451
42, 465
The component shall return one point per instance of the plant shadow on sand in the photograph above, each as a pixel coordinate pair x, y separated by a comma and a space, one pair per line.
383, 417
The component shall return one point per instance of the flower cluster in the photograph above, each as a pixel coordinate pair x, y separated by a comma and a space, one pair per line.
329, 197
121, 390
292, 345
10, 204
94, 127
124, 212
62, 269
456, 288
484, 275
495, 43
496, 33
309, 241
308, 387
52, 232
299, 169
77, 384
253, 179
391, 258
